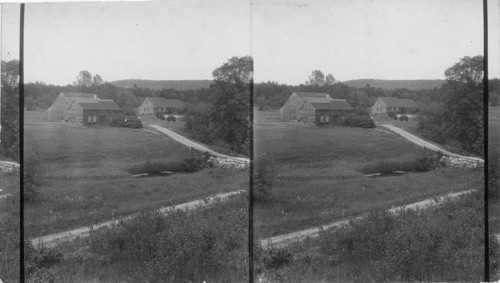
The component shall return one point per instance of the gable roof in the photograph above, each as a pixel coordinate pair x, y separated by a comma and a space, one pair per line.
398, 102
99, 105
311, 94
336, 104
168, 103
79, 95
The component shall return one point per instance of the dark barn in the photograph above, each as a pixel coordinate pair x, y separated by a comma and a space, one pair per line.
86, 113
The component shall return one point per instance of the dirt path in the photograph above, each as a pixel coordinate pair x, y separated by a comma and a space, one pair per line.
284, 240
55, 239
8, 166
197, 146
416, 140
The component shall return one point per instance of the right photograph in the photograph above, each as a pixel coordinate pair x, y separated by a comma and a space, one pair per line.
369, 141
494, 134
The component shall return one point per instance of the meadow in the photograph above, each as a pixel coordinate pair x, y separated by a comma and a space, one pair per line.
444, 244
87, 179
204, 245
320, 177
9, 227
494, 189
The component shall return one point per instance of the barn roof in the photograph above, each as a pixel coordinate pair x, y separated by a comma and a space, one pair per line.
100, 105
398, 102
336, 104
167, 103
79, 95
311, 94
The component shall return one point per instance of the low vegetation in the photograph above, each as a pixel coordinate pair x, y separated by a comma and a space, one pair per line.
87, 179
354, 120
194, 163
203, 245
427, 162
444, 244
9, 227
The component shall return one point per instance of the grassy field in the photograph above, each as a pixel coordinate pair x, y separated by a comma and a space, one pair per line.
320, 180
444, 244
87, 179
9, 227
494, 200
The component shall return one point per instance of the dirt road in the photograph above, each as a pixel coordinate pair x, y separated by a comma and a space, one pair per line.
55, 239
197, 146
284, 240
416, 140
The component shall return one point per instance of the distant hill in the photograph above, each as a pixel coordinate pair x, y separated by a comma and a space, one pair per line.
152, 84
395, 84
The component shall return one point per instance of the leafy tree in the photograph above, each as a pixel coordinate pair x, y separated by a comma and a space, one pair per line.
317, 78
330, 80
9, 138
97, 80
230, 111
84, 79
463, 111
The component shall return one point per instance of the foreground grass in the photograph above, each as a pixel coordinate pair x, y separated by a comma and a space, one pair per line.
443, 244
494, 189
203, 245
321, 174
87, 178
71, 204
9, 227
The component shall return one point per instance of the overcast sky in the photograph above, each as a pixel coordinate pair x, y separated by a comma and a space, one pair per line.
173, 40
168, 40
356, 39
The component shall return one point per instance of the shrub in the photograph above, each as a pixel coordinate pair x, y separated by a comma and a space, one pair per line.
276, 258
118, 120
354, 120
264, 176
392, 115
361, 112
171, 118
403, 118
195, 163
33, 176
160, 115
427, 162
133, 123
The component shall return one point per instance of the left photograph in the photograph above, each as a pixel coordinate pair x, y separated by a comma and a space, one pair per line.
136, 141
9, 145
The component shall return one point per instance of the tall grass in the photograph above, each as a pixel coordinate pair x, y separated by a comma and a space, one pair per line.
203, 245
446, 244
9, 228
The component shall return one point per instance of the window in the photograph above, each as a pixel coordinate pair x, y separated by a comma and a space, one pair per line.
89, 119
95, 119
321, 119
327, 119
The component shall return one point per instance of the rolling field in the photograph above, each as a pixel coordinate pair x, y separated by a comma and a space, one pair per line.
87, 179
320, 180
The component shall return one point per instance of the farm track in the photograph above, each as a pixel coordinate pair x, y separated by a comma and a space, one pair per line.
52, 240
286, 239
198, 146
416, 140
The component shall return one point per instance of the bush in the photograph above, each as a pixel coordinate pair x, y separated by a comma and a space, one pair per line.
33, 176
361, 112
191, 164
354, 120
133, 123
264, 176
427, 162
171, 118
392, 115
118, 121
403, 118
195, 163
160, 115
